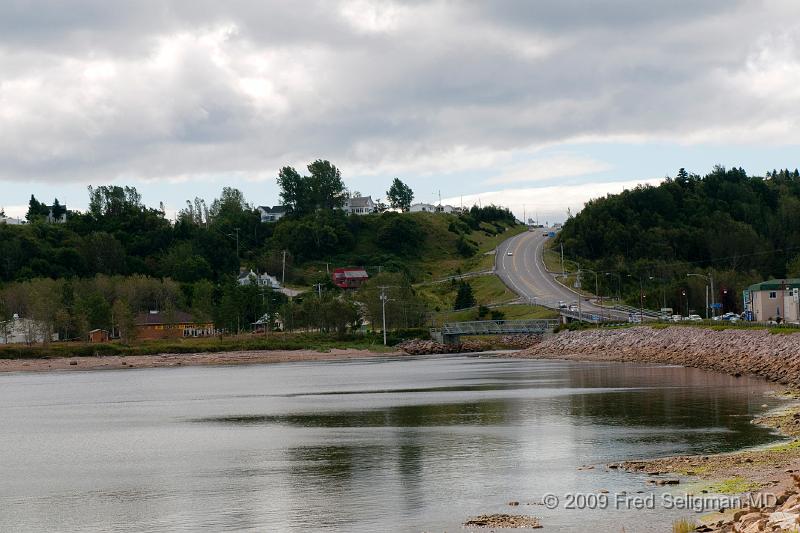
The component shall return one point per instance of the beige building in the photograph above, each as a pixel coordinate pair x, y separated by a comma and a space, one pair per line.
776, 299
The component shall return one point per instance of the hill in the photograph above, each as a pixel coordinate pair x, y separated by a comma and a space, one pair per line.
740, 228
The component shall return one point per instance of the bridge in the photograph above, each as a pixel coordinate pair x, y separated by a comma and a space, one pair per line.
451, 332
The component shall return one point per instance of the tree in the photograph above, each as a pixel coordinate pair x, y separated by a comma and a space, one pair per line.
124, 320
58, 209
404, 307
399, 234
36, 210
323, 189
295, 193
400, 195
464, 298
327, 188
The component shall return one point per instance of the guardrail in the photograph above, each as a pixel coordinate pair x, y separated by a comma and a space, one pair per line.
451, 332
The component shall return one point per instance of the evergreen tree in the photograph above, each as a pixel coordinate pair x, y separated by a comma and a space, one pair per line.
464, 298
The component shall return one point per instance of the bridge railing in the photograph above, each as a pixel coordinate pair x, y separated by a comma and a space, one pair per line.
498, 327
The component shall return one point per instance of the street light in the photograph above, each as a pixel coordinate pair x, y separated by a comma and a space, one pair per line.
619, 284
710, 279
641, 298
596, 292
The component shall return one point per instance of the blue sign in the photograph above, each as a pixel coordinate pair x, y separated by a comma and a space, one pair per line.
748, 315
716, 306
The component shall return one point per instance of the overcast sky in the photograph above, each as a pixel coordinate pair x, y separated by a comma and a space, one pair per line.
538, 105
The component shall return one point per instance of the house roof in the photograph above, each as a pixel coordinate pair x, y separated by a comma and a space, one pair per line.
274, 209
775, 285
360, 201
156, 317
355, 273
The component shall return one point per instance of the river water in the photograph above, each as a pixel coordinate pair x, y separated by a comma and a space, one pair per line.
384, 444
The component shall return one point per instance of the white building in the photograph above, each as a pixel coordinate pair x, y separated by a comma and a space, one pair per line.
271, 214
24, 331
359, 205
422, 208
262, 280
11, 221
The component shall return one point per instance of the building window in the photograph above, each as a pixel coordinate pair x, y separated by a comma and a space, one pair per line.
773, 295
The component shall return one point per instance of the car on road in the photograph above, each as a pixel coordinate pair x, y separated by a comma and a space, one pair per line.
545, 234
573, 307
510, 253
562, 305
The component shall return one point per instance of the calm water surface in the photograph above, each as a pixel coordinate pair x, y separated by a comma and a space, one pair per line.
412, 444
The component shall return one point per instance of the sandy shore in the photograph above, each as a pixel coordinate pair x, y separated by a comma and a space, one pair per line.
191, 359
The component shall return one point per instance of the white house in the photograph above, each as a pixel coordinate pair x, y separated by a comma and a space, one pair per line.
271, 214
24, 331
447, 209
262, 280
422, 208
11, 221
60, 219
359, 205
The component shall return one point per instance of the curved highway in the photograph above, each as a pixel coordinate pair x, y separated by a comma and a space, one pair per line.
523, 272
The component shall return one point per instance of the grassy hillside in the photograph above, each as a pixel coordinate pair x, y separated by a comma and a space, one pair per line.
436, 256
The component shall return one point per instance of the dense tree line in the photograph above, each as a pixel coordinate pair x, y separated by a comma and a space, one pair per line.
740, 228
120, 257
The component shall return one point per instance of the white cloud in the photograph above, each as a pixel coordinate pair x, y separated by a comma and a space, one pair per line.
556, 166
550, 203
176, 90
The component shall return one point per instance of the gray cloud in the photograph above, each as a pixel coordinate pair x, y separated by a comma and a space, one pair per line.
96, 90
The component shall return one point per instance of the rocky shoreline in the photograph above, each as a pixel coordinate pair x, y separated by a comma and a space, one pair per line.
736, 352
429, 347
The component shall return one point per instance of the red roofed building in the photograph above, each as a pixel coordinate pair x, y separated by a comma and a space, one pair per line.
349, 278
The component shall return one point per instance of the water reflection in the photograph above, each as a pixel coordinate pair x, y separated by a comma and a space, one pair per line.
389, 445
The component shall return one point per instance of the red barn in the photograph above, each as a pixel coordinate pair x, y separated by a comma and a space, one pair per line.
349, 278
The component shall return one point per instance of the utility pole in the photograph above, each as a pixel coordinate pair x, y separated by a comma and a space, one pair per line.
283, 269
319, 290
383, 310
578, 286
562, 260
237, 242
713, 305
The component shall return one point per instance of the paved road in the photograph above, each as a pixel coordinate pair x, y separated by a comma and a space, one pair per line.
524, 273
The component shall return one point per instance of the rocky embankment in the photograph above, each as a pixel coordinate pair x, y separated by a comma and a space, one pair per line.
781, 515
732, 351
424, 347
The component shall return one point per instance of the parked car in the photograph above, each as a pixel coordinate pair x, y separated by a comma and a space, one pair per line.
677, 318
694, 318
634, 319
